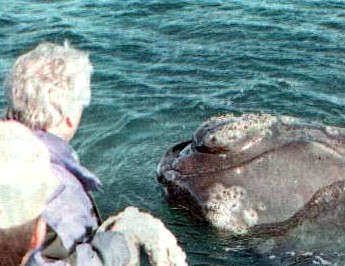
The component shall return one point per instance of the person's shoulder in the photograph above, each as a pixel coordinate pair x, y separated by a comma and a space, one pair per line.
70, 212
65, 177
63, 155
59, 149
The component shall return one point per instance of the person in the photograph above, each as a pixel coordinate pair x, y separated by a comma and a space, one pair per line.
26, 184
47, 90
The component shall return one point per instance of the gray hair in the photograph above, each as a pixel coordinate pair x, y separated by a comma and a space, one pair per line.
47, 84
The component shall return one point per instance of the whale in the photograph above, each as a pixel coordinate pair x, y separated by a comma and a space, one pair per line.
259, 174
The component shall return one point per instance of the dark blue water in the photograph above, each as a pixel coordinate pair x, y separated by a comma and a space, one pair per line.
163, 67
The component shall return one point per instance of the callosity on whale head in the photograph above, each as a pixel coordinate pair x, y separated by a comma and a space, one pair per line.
245, 173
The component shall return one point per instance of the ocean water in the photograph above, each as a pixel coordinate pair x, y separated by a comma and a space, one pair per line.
163, 67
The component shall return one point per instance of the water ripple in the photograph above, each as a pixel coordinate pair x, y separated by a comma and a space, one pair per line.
163, 67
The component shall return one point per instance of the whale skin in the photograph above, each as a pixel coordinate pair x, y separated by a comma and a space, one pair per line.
258, 174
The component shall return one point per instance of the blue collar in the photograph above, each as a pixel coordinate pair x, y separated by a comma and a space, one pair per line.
63, 154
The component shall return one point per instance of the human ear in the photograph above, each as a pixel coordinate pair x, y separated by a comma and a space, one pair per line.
37, 239
39, 234
69, 122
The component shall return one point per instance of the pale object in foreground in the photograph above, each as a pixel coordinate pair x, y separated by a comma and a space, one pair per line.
142, 229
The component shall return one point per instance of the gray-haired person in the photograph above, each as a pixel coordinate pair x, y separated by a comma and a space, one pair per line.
47, 90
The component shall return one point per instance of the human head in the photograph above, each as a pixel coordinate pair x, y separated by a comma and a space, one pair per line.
48, 86
26, 184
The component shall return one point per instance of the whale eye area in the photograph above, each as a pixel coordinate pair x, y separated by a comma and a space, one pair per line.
213, 139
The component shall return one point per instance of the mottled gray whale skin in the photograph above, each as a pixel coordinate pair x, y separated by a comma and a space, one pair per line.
257, 173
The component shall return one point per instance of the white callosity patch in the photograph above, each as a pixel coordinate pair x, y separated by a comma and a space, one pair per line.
249, 128
250, 216
229, 208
